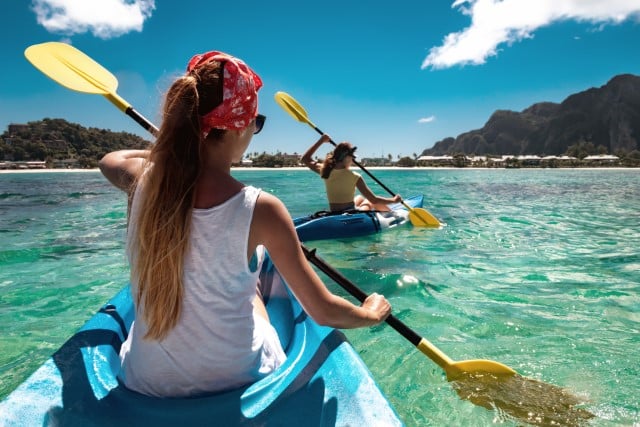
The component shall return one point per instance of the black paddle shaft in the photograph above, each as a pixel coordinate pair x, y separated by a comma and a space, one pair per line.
360, 166
142, 121
358, 294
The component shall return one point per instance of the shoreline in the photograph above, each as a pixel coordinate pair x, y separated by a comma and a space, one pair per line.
396, 168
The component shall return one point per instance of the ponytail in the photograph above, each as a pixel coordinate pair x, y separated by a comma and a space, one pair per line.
164, 217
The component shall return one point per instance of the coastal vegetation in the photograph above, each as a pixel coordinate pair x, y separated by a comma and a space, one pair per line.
56, 143
59, 143
596, 127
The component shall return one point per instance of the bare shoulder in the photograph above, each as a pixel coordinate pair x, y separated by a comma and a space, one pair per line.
272, 225
269, 205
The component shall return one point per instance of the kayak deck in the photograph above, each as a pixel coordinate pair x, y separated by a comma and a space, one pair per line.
326, 225
323, 381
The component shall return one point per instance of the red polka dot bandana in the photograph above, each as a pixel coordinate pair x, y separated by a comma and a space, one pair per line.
240, 93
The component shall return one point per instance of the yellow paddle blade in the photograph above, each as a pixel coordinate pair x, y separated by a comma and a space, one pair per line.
292, 107
420, 217
455, 369
71, 68
479, 366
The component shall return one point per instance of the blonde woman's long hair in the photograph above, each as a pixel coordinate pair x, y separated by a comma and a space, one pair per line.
164, 215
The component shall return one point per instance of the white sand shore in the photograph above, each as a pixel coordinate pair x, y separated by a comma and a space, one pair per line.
46, 170
8, 171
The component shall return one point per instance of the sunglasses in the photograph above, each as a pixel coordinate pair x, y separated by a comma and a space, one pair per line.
260, 119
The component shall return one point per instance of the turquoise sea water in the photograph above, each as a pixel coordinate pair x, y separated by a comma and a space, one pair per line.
537, 269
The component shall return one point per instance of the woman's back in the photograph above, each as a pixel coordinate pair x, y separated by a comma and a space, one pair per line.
341, 187
218, 342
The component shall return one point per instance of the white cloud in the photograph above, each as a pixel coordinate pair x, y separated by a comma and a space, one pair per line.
496, 22
427, 119
104, 18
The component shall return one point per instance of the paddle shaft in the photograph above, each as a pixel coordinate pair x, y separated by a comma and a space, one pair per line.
123, 105
422, 344
358, 293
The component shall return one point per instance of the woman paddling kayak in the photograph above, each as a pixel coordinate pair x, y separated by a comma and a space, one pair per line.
196, 239
341, 182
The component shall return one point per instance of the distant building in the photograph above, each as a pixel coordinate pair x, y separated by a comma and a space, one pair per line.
602, 158
502, 159
32, 164
435, 160
66, 164
375, 161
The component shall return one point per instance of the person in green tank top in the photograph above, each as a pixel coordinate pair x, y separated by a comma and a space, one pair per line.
341, 182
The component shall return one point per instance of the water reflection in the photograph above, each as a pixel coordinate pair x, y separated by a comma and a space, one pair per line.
523, 399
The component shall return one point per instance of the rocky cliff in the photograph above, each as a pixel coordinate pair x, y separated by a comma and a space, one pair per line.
607, 116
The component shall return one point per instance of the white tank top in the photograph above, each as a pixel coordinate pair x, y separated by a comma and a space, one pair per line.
218, 343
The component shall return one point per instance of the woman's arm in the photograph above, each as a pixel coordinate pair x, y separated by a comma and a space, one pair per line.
272, 227
307, 157
364, 189
123, 167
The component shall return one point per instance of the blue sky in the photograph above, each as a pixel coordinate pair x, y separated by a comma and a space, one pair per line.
391, 77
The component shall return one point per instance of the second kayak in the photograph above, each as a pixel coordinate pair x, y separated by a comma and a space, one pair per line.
326, 225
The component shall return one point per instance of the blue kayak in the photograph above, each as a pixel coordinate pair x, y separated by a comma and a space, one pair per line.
327, 225
322, 383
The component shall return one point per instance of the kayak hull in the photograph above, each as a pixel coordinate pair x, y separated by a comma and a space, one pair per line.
323, 381
324, 225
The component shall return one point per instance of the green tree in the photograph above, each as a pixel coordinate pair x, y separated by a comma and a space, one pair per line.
459, 160
35, 150
19, 154
406, 162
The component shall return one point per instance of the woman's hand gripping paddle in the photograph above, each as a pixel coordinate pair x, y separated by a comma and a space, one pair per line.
483, 382
419, 217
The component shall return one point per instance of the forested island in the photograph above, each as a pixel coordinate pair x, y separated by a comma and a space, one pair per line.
59, 143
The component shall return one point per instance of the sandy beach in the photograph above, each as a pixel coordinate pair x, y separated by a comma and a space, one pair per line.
7, 171
46, 170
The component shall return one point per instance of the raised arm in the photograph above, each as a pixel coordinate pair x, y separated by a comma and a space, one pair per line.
307, 157
272, 227
123, 167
